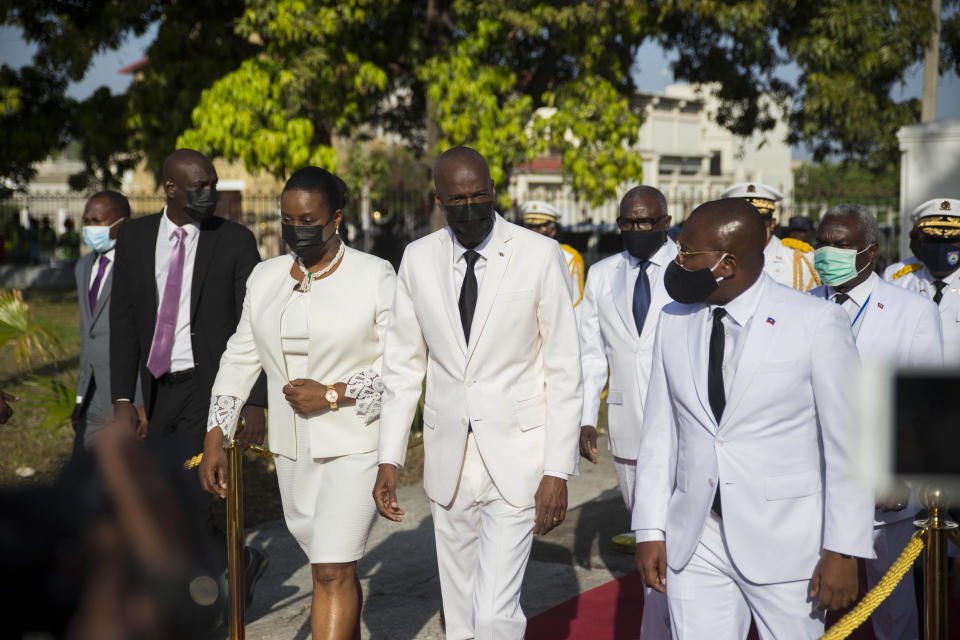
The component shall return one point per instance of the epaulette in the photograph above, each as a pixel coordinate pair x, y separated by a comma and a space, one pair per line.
909, 268
796, 245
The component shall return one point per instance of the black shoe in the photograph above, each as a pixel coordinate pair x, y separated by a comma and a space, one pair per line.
257, 562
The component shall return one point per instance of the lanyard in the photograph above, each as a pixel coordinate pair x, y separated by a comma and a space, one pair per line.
862, 307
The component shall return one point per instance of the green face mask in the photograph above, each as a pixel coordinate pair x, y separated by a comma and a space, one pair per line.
836, 266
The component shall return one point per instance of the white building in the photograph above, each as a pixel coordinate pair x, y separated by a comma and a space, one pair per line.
685, 153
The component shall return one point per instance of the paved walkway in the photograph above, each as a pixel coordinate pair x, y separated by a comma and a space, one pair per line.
399, 572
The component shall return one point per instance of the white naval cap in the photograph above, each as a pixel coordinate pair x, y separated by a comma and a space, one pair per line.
537, 212
761, 196
937, 207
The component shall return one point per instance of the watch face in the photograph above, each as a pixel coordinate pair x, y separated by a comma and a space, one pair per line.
332, 395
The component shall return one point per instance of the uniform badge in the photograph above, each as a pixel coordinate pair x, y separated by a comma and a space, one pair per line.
953, 258
771, 321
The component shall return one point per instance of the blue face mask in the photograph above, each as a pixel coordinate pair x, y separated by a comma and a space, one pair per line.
836, 266
98, 238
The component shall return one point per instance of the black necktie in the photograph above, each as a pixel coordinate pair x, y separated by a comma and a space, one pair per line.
468, 293
718, 399
641, 297
938, 296
840, 298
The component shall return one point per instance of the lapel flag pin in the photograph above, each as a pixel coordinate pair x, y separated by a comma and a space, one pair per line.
500, 253
771, 321
879, 305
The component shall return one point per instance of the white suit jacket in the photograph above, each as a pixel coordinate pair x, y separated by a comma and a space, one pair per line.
789, 404
517, 382
352, 316
608, 339
899, 328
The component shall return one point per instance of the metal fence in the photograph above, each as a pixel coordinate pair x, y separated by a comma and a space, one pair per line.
384, 223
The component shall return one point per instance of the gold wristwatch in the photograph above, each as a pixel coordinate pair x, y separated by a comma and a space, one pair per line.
332, 396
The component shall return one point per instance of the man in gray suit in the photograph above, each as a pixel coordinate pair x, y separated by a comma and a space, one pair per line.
102, 217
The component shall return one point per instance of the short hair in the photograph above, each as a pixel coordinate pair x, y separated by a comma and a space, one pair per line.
865, 220
317, 180
117, 200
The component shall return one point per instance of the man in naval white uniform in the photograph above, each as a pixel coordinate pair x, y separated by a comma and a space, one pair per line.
789, 261
746, 503
892, 327
618, 320
544, 218
933, 270
483, 310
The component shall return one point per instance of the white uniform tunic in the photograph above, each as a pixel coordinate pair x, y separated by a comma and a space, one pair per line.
921, 281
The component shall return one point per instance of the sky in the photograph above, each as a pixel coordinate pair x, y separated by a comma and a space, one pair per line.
652, 74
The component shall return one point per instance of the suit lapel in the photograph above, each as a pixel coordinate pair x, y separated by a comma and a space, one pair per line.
150, 266
872, 316
206, 244
498, 259
448, 288
102, 297
697, 348
756, 347
622, 299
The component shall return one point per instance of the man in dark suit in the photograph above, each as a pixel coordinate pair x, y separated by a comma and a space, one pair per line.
179, 284
103, 215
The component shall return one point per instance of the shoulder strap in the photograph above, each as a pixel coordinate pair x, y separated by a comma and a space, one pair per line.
909, 268
796, 245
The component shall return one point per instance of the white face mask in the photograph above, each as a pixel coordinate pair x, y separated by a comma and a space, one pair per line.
98, 238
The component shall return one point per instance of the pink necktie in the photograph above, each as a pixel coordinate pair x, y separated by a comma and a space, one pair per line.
160, 351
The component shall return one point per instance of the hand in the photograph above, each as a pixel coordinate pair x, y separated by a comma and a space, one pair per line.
896, 500
6, 411
125, 415
141, 422
213, 466
551, 505
651, 560
254, 425
588, 443
835, 581
75, 416
385, 493
306, 396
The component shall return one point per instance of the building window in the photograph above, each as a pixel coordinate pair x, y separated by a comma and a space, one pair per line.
715, 166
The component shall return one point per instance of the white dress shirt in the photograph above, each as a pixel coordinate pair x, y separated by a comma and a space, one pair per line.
740, 312
853, 305
181, 357
479, 268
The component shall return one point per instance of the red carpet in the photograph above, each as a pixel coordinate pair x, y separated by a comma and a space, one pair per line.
613, 610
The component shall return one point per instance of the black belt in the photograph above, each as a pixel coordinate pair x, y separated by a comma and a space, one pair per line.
176, 377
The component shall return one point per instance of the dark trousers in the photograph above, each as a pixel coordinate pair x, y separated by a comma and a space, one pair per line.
178, 423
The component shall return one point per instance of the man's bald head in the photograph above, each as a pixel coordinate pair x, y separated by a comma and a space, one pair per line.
184, 171
463, 173
175, 163
645, 198
733, 225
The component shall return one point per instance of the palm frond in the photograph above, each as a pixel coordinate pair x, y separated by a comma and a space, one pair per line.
30, 341
55, 401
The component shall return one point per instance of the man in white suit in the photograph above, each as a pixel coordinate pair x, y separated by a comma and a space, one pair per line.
484, 309
895, 327
618, 320
745, 464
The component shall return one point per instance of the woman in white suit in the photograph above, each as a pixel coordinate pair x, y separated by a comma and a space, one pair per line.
314, 322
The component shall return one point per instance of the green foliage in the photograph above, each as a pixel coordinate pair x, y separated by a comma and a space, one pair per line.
844, 182
385, 170
55, 401
29, 341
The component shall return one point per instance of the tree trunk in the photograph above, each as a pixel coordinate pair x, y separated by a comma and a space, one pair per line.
931, 64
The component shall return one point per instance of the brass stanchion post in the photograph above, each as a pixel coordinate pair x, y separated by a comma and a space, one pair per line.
935, 564
235, 559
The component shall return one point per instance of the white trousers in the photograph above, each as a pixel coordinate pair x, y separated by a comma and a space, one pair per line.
710, 599
483, 545
896, 617
655, 624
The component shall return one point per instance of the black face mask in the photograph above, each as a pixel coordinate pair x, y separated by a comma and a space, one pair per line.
940, 257
201, 203
470, 223
643, 244
689, 287
306, 240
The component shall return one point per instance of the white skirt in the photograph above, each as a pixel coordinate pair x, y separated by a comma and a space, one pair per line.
328, 502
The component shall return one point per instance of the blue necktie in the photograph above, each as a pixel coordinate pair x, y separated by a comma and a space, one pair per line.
641, 297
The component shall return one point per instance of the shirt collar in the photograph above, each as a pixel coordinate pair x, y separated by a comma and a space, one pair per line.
860, 293
167, 227
659, 257
742, 308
